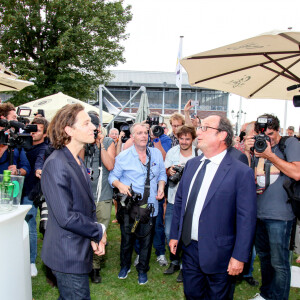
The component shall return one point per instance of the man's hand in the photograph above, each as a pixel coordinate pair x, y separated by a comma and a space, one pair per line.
104, 238
171, 171
173, 246
99, 249
160, 193
38, 173
123, 189
235, 267
267, 153
249, 142
99, 139
188, 106
13, 169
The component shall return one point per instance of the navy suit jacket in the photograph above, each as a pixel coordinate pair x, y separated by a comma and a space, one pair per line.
72, 219
227, 221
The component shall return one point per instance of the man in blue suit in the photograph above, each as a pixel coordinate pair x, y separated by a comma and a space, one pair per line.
72, 230
214, 214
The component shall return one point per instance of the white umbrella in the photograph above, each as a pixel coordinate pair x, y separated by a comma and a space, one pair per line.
260, 67
51, 104
143, 110
9, 81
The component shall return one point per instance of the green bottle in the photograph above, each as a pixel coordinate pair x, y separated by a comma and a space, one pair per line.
7, 189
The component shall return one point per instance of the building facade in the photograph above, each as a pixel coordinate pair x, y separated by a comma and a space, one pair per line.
163, 94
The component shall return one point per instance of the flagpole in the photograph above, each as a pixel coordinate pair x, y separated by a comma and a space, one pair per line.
179, 73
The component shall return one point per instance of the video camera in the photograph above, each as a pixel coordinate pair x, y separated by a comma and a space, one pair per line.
15, 139
177, 176
154, 122
261, 139
126, 200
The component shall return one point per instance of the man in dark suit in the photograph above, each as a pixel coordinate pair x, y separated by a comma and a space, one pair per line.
72, 230
214, 214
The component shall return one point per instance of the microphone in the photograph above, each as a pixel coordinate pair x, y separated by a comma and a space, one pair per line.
293, 87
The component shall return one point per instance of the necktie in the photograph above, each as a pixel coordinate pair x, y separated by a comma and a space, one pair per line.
188, 217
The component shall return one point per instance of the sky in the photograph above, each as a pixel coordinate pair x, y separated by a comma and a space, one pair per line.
154, 32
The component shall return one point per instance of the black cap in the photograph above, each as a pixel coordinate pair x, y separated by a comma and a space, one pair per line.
94, 119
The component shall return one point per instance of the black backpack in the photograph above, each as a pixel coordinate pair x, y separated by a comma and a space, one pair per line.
291, 186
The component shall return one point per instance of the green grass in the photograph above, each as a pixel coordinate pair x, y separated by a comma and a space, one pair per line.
159, 286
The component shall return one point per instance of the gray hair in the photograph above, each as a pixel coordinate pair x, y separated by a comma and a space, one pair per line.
136, 124
225, 125
113, 129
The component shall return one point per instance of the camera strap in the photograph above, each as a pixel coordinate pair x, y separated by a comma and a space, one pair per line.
267, 168
147, 182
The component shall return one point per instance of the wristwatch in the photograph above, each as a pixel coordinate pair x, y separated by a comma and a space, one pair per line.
156, 140
18, 172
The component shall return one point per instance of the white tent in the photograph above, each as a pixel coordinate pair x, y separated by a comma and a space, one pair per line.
51, 104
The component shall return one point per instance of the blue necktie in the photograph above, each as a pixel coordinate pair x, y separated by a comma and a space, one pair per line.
188, 216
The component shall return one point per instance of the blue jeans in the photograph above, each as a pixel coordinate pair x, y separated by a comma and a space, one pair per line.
31, 221
72, 286
159, 240
272, 246
168, 222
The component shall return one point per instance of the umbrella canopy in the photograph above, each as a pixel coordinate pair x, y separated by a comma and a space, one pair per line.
143, 110
9, 81
122, 117
51, 104
260, 67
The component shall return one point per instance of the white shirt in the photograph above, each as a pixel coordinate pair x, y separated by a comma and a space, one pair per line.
210, 173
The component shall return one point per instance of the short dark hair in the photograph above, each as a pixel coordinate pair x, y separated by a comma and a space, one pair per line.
41, 121
225, 125
273, 122
66, 116
186, 129
5, 108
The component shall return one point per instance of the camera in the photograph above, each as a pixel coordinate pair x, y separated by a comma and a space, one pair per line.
154, 122
23, 113
15, 139
126, 200
126, 129
261, 139
40, 112
177, 176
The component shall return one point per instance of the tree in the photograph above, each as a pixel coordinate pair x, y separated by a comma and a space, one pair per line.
62, 45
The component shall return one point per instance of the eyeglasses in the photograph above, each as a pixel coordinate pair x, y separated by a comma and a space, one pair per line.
204, 128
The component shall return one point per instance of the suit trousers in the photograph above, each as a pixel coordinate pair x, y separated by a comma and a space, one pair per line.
196, 283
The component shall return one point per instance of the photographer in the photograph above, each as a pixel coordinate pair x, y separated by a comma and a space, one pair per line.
174, 164
20, 164
104, 199
32, 185
143, 168
162, 142
274, 214
176, 120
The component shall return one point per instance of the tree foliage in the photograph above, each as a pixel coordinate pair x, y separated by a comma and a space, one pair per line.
62, 45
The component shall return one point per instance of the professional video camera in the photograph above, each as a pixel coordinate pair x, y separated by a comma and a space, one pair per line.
261, 139
23, 113
154, 121
15, 139
177, 176
126, 129
126, 200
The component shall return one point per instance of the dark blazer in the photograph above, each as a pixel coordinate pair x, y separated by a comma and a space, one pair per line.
228, 218
239, 155
72, 219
